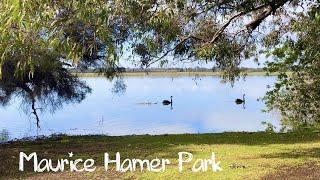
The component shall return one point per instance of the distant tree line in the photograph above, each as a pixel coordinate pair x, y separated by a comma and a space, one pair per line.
196, 69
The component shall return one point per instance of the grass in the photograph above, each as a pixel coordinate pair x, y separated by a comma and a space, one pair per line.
170, 74
242, 155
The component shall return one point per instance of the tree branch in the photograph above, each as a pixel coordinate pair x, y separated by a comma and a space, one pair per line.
33, 103
184, 39
220, 31
269, 9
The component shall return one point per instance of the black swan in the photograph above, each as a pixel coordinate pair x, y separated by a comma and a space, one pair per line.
167, 102
240, 101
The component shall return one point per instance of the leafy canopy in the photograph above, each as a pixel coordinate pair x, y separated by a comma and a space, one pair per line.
297, 95
40, 37
83, 32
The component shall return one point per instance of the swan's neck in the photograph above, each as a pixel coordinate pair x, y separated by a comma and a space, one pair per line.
243, 97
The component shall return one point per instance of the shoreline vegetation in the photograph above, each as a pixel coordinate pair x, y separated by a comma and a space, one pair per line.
243, 155
172, 73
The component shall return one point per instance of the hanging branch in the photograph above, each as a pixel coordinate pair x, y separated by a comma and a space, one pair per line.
33, 103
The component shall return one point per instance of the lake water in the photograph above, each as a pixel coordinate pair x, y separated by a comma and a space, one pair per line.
200, 105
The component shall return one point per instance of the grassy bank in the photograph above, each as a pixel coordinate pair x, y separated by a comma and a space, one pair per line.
169, 74
242, 155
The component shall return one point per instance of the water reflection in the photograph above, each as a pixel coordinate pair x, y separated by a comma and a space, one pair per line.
205, 106
119, 87
44, 91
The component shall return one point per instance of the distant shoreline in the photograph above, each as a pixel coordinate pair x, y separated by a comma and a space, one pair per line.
172, 74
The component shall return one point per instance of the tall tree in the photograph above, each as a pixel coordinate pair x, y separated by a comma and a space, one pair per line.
96, 33
297, 95
84, 32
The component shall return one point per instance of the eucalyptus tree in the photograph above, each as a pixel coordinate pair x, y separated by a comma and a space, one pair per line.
97, 33
296, 95
83, 32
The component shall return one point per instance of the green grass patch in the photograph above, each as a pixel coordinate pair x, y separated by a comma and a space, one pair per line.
242, 155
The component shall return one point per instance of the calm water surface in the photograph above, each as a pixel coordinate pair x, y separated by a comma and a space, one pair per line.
200, 105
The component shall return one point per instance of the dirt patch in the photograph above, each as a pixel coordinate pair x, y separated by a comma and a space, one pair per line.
307, 171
